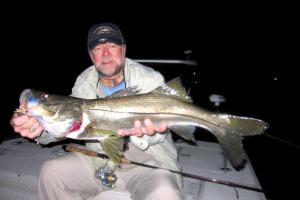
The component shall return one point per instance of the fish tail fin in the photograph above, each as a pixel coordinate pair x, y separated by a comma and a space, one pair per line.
113, 147
232, 147
230, 133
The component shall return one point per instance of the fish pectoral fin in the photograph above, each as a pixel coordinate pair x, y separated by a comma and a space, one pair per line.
91, 133
113, 147
186, 132
89, 129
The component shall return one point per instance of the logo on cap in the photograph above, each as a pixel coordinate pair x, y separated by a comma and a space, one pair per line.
103, 30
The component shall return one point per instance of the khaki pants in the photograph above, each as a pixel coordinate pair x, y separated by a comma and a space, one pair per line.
73, 177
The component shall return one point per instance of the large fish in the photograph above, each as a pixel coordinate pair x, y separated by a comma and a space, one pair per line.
99, 119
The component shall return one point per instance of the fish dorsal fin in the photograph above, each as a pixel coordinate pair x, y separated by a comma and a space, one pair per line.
175, 89
126, 92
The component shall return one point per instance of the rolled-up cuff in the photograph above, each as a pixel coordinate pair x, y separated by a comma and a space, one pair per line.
47, 138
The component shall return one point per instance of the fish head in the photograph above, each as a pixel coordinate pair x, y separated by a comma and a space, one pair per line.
57, 114
39, 103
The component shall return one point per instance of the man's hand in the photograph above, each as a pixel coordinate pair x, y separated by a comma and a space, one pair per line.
25, 125
148, 128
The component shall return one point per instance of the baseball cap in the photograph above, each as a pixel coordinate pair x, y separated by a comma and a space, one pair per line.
104, 32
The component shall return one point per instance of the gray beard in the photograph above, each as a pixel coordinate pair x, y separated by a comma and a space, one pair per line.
118, 69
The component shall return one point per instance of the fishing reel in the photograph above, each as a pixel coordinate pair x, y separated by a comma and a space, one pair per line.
107, 176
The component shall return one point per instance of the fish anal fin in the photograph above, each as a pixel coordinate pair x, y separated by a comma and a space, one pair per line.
95, 131
186, 132
92, 133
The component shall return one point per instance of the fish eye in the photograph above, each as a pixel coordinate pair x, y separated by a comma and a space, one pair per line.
44, 97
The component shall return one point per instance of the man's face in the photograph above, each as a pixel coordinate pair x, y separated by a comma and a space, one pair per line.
109, 59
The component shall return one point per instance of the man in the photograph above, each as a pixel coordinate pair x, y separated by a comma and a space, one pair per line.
73, 176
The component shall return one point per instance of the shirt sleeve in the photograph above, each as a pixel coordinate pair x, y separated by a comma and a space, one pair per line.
46, 138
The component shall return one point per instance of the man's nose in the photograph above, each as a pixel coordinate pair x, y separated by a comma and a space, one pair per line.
106, 51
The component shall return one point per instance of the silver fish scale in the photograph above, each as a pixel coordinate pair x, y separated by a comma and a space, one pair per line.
106, 120
145, 103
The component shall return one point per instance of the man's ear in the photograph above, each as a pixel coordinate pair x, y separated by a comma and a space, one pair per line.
124, 49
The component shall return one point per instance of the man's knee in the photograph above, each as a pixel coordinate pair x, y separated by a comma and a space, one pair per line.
160, 184
50, 170
166, 186
60, 168
165, 192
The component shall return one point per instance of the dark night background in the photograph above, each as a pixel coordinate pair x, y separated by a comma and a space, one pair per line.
243, 54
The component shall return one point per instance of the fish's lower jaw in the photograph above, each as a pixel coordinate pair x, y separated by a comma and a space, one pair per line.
57, 128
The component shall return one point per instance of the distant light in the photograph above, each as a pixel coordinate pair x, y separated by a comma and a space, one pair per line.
275, 78
217, 99
188, 51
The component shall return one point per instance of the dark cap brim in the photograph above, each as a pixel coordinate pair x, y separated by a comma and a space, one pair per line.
96, 42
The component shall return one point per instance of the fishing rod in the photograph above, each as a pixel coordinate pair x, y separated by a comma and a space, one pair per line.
72, 148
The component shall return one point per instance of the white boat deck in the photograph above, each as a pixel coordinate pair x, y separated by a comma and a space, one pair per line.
20, 161
207, 160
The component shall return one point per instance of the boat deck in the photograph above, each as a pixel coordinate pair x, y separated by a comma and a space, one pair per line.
20, 162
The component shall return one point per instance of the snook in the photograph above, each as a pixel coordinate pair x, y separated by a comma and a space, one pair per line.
100, 119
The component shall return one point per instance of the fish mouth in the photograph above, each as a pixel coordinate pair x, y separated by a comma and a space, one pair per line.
24, 96
32, 104
28, 98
